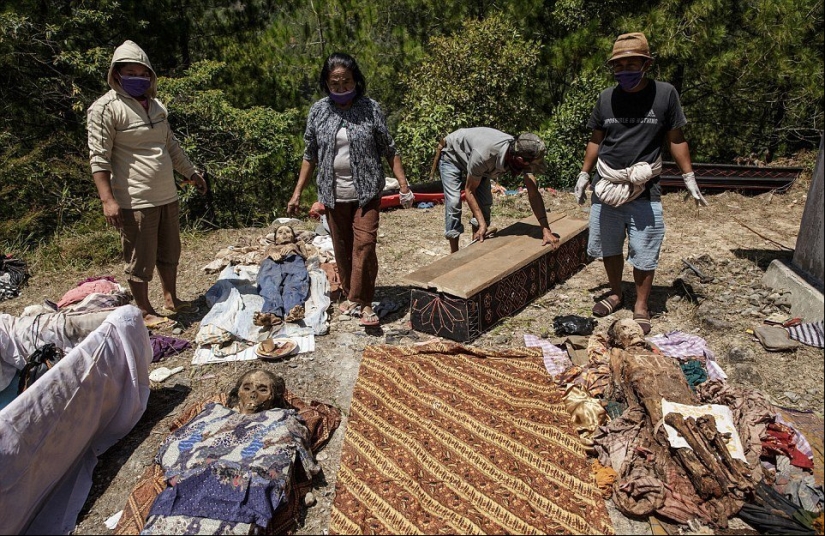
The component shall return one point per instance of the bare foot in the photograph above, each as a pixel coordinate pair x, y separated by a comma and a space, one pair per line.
266, 319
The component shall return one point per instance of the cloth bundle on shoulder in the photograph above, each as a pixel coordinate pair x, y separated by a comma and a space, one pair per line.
39, 363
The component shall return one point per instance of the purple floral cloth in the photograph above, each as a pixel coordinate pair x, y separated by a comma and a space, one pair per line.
231, 467
556, 360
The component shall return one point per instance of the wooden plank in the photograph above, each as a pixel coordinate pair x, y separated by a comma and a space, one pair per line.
480, 266
482, 272
422, 277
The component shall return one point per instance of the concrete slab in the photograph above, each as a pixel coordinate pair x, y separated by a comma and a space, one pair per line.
806, 300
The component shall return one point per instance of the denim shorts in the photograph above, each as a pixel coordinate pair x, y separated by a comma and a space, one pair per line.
451, 179
640, 221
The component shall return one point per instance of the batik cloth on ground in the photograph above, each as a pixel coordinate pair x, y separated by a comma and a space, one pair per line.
443, 437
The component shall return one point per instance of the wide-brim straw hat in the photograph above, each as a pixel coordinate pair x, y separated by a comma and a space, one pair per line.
630, 45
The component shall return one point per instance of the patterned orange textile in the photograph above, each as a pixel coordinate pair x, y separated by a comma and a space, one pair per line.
445, 438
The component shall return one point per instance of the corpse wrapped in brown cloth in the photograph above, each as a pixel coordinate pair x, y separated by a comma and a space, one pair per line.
321, 420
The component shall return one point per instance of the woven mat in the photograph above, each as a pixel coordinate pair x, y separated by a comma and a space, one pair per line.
444, 438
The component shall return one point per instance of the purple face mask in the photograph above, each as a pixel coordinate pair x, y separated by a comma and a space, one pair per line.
342, 98
135, 86
629, 79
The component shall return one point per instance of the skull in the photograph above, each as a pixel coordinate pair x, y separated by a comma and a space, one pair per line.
284, 235
257, 392
625, 333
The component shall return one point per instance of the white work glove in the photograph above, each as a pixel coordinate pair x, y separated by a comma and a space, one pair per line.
693, 188
581, 187
407, 199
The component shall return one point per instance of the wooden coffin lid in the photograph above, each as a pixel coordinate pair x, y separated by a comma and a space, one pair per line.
470, 270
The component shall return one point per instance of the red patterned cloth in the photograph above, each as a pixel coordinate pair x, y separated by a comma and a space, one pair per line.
780, 439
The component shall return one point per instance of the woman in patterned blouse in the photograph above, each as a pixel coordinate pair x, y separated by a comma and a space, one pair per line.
345, 138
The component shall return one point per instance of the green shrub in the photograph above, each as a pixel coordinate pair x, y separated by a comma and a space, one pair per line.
476, 77
566, 133
251, 155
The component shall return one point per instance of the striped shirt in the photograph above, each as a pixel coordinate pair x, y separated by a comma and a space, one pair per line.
369, 141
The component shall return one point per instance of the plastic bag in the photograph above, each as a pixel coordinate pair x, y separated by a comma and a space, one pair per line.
39, 363
574, 325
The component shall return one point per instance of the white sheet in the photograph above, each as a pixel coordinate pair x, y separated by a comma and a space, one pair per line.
724, 423
19, 337
303, 336
233, 300
316, 306
51, 435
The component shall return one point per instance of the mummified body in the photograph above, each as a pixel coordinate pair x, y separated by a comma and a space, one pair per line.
680, 484
283, 280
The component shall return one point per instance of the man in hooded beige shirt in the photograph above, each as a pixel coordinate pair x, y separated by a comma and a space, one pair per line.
133, 154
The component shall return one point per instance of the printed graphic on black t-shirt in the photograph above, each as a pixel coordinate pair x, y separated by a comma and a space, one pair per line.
633, 111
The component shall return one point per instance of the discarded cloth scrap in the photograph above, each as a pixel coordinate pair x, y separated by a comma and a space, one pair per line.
163, 346
811, 333
555, 359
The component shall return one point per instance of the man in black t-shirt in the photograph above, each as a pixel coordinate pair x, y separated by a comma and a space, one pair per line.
630, 123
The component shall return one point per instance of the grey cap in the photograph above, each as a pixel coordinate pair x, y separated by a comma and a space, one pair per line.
530, 147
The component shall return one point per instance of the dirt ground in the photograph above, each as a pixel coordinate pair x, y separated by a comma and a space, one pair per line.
722, 240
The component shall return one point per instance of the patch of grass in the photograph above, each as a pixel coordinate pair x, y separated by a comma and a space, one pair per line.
77, 249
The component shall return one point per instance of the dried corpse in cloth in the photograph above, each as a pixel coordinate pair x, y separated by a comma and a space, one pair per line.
321, 420
229, 331
448, 438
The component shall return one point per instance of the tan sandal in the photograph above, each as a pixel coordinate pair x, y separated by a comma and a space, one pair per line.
347, 306
370, 319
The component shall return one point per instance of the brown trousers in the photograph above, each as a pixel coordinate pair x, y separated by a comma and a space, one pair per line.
354, 233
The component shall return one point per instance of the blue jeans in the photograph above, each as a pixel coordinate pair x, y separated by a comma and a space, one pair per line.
451, 179
283, 285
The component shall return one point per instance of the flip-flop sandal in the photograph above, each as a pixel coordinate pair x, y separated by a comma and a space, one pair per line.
370, 319
159, 322
347, 306
185, 308
606, 307
271, 349
643, 321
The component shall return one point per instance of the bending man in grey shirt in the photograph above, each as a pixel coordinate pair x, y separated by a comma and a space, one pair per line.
481, 154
